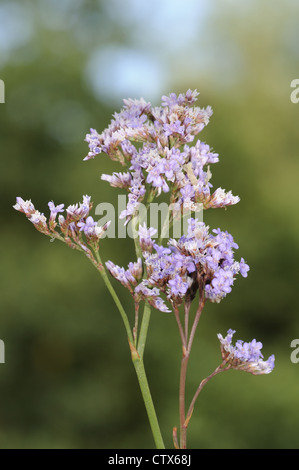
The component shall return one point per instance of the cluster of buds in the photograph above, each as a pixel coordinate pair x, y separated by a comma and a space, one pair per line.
127, 277
76, 228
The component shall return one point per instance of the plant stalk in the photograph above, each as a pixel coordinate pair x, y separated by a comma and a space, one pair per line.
147, 398
187, 345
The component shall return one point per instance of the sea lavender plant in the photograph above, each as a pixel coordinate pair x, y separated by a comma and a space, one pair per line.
153, 146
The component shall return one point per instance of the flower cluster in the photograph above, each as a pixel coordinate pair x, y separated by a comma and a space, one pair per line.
128, 278
200, 260
245, 356
145, 291
164, 161
76, 228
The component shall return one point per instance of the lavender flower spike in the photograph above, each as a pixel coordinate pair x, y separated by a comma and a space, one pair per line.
245, 356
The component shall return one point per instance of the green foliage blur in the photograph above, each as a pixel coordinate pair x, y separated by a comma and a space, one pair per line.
68, 381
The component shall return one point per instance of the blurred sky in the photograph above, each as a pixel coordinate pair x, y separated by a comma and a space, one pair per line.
165, 38
138, 66
116, 70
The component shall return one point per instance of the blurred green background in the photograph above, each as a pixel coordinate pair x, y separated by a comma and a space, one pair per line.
68, 381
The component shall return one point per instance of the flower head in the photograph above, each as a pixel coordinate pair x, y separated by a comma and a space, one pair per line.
55, 209
145, 237
128, 278
177, 286
118, 180
34, 216
70, 227
144, 291
164, 159
200, 260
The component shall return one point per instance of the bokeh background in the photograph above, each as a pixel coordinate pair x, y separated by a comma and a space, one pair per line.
68, 381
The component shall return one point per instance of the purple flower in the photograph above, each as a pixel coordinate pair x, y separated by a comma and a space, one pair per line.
222, 282
159, 304
119, 273
245, 356
178, 287
158, 160
163, 163
244, 268
118, 180
128, 278
146, 233
136, 194
38, 219
93, 143
174, 100
55, 209
24, 206
221, 199
145, 237
87, 226
173, 128
225, 240
195, 228
154, 177
151, 295
34, 216
187, 192
80, 211
170, 100
77, 220
200, 260
134, 271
